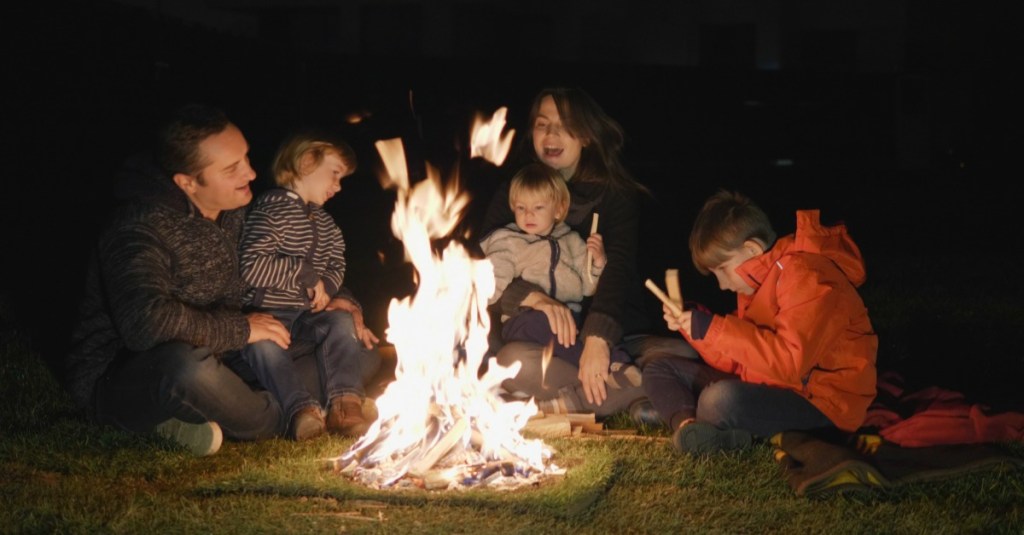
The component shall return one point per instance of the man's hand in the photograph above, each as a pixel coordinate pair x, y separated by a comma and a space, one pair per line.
559, 316
263, 326
364, 334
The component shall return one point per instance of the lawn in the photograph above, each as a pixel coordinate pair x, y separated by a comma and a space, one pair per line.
61, 475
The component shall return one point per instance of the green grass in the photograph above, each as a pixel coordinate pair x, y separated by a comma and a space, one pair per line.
60, 474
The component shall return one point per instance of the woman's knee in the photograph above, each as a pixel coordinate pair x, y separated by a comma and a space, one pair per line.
526, 353
659, 368
647, 349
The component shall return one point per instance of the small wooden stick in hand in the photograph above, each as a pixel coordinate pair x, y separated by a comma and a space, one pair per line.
672, 285
590, 256
676, 309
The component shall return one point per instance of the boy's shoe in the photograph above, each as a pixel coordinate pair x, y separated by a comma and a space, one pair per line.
345, 416
642, 412
201, 439
308, 423
698, 438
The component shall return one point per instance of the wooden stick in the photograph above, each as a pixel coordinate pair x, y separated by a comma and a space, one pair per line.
443, 446
664, 298
672, 285
590, 257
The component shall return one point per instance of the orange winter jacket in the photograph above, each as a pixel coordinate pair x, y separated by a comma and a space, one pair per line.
805, 328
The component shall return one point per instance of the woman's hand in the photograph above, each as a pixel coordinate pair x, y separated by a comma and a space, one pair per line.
559, 316
594, 364
364, 334
679, 323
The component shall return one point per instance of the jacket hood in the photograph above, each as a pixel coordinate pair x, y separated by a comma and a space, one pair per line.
832, 242
140, 179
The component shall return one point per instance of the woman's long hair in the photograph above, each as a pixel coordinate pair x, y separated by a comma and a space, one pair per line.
585, 120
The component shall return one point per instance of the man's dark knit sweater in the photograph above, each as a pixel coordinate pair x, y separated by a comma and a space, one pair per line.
161, 273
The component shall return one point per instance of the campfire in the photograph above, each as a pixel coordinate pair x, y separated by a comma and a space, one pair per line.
442, 425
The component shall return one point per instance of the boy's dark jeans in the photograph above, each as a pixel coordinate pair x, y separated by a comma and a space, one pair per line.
682, 388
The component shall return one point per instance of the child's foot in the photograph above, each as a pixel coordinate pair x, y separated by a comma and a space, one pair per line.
624, 375
201, 439
308, 423
642, 412
697, 438
345, 416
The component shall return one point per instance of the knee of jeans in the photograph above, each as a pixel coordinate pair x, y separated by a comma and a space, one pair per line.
338, 320
264, 351
719, 401
523, 352
184, 364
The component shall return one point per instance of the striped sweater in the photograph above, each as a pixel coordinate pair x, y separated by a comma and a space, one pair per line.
288, 246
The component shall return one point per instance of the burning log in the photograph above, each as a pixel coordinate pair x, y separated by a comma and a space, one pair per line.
440, 448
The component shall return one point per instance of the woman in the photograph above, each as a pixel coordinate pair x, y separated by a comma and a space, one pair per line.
570, 133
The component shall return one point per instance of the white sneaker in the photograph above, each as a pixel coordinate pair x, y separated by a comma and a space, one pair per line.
201, 439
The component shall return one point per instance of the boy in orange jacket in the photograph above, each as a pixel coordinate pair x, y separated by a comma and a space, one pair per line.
798, 353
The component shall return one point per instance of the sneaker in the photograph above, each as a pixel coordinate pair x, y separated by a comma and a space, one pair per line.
306, 424
642, 413
345, 416
201, 439
698, 438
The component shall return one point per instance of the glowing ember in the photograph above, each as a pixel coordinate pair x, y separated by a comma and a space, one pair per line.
439, 424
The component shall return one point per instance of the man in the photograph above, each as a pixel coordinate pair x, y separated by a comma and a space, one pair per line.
161, 323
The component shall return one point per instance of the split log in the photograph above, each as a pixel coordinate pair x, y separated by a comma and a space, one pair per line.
440, 448
551, 426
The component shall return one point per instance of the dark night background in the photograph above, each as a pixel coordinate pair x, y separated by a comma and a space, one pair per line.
893, 116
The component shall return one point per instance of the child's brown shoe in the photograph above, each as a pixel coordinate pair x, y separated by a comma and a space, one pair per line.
306, 424
345, 416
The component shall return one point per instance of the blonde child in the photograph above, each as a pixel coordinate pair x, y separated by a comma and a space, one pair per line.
293, 258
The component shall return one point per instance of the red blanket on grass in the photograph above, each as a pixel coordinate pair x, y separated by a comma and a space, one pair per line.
935, 416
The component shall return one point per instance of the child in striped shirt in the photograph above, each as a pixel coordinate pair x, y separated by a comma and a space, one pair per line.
293, 258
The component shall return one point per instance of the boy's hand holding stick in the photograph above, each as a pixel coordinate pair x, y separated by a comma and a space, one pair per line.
672, 281
590, 256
